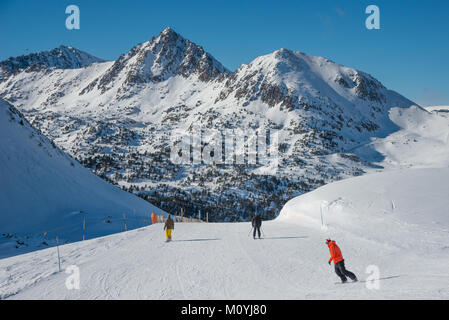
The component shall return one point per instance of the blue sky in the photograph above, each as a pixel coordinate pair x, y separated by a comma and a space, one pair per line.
409, 54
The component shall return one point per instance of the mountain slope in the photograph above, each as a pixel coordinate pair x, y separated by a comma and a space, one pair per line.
118, 119
44, 190
343, 105
421, 142
406, 241
63, 57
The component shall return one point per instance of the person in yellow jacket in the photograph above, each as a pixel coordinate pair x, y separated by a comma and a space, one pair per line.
168, 227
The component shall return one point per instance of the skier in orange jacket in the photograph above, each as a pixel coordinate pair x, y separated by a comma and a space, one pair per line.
339, 262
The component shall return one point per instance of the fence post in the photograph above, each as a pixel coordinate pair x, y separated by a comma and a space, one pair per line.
207, 217
199, 215
57, 247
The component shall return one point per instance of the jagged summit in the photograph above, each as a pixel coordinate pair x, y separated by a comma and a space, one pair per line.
164, 56
167, 35
168, 30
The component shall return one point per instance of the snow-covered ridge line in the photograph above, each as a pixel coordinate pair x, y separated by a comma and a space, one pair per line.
62, 57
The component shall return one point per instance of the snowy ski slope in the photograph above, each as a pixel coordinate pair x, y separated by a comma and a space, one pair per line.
397, 221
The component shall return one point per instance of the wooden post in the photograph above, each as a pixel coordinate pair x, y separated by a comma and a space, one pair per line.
199, 215
207, 217
182, 214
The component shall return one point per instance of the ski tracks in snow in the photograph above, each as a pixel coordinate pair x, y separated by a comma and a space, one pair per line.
265, 264
214, 261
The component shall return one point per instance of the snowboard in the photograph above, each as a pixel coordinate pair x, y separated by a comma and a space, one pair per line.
347, 282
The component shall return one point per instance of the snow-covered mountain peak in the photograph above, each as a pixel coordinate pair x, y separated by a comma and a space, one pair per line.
164, 56
294, 78
295, 60
284, 62
62, 57
169, 33
172, 53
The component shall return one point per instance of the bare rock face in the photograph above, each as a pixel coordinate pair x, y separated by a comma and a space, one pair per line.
368, 88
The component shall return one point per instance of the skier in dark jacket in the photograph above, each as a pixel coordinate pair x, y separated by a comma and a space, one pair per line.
339, 262
256, 223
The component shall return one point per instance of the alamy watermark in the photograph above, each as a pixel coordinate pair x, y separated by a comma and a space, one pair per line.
73, 20
373, 20
72, 282
373, 280
196, 146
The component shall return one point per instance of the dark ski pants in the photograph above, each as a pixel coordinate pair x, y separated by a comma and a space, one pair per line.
341, 271
258, 231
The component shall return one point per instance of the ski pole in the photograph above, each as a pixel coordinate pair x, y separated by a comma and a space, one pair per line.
250, 231
263, 234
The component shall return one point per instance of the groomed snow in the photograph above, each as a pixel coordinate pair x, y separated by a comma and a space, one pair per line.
397, 221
